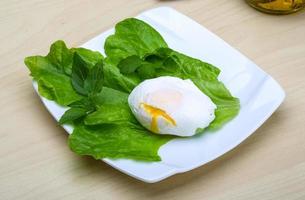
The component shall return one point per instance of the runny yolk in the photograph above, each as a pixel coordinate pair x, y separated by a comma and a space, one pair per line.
155, 113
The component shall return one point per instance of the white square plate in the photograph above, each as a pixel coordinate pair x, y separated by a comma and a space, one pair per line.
259, 95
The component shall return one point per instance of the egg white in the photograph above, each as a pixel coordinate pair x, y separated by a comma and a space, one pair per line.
179, 99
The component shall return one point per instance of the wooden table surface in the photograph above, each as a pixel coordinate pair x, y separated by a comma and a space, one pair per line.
36, 162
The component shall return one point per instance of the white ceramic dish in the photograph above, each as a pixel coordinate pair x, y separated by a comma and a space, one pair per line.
259, 95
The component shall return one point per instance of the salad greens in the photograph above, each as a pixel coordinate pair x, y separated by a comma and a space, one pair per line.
114, 141
96, 89
53, 72
132, 37
113, 132
86, 80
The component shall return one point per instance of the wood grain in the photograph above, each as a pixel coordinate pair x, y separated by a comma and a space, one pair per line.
36, 162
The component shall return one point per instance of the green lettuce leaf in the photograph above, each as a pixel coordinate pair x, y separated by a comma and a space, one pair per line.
113, 132
114, 79
112, 109
91, 58
132, 37
111, 114
116, 141
53, 83
130, 64
52, 72
72, 114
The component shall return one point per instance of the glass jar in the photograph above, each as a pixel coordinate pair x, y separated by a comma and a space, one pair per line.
277, 6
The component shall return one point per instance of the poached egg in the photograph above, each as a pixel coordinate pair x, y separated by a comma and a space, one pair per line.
170, 105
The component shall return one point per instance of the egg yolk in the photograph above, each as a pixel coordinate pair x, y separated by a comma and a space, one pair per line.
155, 113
